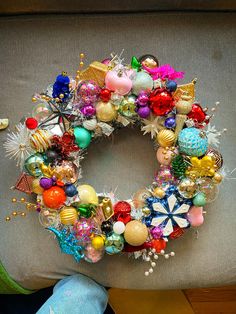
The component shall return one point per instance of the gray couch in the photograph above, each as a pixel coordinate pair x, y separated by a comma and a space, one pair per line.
34, 49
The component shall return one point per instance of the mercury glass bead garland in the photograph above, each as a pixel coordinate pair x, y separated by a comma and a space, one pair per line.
106, 96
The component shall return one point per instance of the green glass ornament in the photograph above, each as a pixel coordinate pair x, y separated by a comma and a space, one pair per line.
199, 199
128, 106
82, 137
135, 64
85, 210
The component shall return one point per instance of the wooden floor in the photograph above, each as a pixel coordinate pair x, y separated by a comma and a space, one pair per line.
192, 301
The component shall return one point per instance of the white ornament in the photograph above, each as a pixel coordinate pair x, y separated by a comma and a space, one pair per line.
119, 227
152, 126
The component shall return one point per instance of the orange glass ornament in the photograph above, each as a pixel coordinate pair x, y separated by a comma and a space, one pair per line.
54, 197
158, 245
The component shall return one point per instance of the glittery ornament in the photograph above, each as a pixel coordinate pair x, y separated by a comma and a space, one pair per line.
114, 243
187, 188
88, 110
192, 142
83, 229
197, 113
105, 95
164, 177
66, 171
158, 244
87, 92
156, 232
161, 102
127, 106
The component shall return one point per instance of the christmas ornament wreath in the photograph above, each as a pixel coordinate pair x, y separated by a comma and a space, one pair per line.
108, 95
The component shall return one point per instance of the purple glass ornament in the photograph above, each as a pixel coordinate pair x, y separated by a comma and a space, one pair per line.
142, 99
88, 110
156, 232
143, 112
170, 122
46, 183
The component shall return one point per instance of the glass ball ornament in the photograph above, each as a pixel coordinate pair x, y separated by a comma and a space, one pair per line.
33, 165
54, 197
119, 227
165, 156
139, 198
70, 190
87, 194
82, 137
118, 81
90, 124
136, 233
83, 229
105, 111
207, 186
171, 86
46, 183
106, 227
164, 178
87, 92
142, 82
166, 138
66, 172
144, 112
97, 242
68, 215
114, 243
217, 157
36, 187
192, 142
41, 110
170, 122
49, 218
128, 106
199, 199
187, 188
92, 255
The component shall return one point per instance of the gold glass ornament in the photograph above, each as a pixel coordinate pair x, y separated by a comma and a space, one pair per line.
166, 138
68, 215
105, 111
136, 233
158, 192
97, 242
217, 178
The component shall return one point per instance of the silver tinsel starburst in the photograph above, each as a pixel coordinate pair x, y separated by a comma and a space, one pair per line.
17, 144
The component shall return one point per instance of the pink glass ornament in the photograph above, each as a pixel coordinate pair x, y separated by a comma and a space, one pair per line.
83, 229
118, 82
87, 92
164, 177
165, 156
156, 232
92, 255
195, 216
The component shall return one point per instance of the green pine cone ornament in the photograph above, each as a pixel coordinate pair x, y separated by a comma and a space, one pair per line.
179, 166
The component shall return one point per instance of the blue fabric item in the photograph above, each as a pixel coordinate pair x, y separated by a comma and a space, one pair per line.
76, 294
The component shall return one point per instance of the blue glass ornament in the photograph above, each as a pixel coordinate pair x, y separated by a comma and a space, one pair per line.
70, 190
192, 142
61, 86
68, 243
171, 86
170, 122
168, 211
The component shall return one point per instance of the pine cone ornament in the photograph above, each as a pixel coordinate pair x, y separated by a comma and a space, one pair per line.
179, 166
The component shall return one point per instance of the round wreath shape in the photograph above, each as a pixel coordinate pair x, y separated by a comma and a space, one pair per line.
49, 146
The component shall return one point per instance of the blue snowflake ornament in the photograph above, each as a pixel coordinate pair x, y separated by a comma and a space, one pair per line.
168, 211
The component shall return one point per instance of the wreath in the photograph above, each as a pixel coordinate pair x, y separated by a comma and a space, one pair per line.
106, 96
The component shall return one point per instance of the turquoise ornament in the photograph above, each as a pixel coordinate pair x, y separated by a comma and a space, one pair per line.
192, 142
199, 199
114, 243
142, 82
82, 137
33, 165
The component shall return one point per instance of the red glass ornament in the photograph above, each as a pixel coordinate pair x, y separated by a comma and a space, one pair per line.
158, 244
161, 102
197, 114
54, 197
31, 123
122, 211
105, 95
178, 232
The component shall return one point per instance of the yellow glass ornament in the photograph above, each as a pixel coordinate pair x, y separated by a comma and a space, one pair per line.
158, 192
68, 215
97, 242
166, 138
105, 111
87, 194
36, 188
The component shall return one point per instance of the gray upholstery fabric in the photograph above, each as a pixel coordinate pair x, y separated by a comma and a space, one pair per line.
33, 51
115, 6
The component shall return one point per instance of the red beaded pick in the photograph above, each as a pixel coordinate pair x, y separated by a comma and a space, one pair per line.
161, 102
197, 114
105, 95
158, 244
178, 232
31, 123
